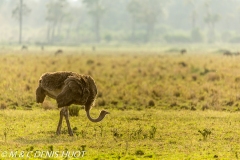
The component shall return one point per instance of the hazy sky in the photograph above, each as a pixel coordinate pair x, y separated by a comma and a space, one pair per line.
177, 18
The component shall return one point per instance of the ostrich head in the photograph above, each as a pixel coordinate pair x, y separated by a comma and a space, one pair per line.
40, 96
103, 113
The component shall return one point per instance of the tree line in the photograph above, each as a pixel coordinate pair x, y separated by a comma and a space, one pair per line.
132, 20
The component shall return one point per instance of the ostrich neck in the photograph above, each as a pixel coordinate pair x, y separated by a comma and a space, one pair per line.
100, 117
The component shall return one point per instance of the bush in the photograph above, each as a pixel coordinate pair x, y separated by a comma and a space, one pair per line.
90, 61
235, 39
47, 105
108, 38
3, 106
74, 110
237, 79
101, 102
139, 152
196, 35
213, 77
177, 38
151, 103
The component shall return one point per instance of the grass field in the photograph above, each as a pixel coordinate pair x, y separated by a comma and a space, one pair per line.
163, 105
152, 134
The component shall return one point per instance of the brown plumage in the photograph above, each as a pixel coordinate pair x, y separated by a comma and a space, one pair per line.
68, 88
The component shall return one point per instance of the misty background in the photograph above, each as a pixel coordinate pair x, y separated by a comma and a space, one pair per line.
75, 22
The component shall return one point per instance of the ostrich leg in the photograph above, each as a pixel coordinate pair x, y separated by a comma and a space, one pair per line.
66, 115
60, 121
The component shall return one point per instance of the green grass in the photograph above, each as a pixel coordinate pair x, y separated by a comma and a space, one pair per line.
126, 134
163, 105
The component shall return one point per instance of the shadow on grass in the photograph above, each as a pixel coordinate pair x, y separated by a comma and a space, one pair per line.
48, 137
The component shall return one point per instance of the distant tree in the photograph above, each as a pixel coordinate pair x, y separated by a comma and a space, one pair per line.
238, 17
133, 8
211, 19
146, 12
56, 11
69, 20
192, 3
195, 31
96, 10
2, 2
19, 11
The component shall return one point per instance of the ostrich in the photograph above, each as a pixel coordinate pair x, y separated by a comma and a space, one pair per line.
68, 88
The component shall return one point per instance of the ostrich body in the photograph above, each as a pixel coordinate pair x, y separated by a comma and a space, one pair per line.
68, 88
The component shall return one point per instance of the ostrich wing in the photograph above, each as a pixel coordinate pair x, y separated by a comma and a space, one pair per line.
74, 87
79, 87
